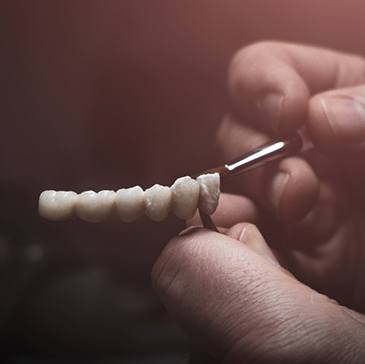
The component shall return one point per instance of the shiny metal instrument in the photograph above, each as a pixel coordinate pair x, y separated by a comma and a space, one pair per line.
269, 152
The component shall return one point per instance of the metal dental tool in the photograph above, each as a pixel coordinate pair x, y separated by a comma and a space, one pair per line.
267, 153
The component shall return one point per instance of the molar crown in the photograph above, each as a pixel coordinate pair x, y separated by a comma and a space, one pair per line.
130, 203
57, 205
185, 197
209, 192
158, 202
95, 206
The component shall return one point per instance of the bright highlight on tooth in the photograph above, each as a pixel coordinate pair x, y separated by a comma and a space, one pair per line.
95, 206
158, 202
184, 197
57, 205
209, 192
130, 203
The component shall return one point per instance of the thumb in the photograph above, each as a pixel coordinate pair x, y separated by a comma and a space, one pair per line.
235, 302
336, 122
337, 117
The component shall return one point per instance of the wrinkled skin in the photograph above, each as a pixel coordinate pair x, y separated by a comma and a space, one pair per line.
315, 215
228, 290
84, 88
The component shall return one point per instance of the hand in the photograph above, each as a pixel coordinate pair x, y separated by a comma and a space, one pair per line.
314, 205
238, 305
310, 209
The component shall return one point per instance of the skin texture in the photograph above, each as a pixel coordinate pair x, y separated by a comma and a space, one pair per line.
238, 295
79, 106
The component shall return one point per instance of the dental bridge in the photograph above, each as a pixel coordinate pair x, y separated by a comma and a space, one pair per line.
183, 198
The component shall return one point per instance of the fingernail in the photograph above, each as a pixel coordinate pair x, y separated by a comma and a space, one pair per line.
270, 107
190, 230
244, 233
346, 117
277, 188
253, 238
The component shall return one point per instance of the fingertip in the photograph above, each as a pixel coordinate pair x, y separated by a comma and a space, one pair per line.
251, 236
264, 84
190, 230
293, 190
294, 108
231, 210
336, 118
245, 232
235, 231
320, 130
284, 112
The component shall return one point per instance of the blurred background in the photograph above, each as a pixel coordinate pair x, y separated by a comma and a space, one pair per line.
106, 94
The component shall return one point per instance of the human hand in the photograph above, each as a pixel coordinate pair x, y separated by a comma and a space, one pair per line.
312, 206
310, 210
229, 293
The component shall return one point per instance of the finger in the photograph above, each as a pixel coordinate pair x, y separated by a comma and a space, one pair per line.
236, 305
251, 236
288, 188
321, 222
270, 82
231, 210
337, 118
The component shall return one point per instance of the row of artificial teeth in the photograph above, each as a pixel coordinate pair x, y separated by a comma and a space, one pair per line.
182, 198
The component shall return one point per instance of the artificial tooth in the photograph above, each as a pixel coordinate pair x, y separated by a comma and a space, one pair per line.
130, 203
158, 202
185, 197
95, 206
57, 205
209, 192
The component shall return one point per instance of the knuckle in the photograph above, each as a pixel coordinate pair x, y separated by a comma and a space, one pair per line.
244, 62
255, 50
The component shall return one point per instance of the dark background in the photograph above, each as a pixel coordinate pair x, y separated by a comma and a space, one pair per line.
107, 94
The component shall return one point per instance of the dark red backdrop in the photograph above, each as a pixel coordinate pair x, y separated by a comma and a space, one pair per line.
109, 93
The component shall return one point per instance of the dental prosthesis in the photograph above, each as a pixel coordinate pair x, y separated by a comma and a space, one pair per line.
183, 198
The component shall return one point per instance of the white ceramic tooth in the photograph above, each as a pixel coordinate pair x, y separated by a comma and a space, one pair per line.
57, 205
95, 206
130, 203
209, 192
158, 202
185, 197
106, 202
